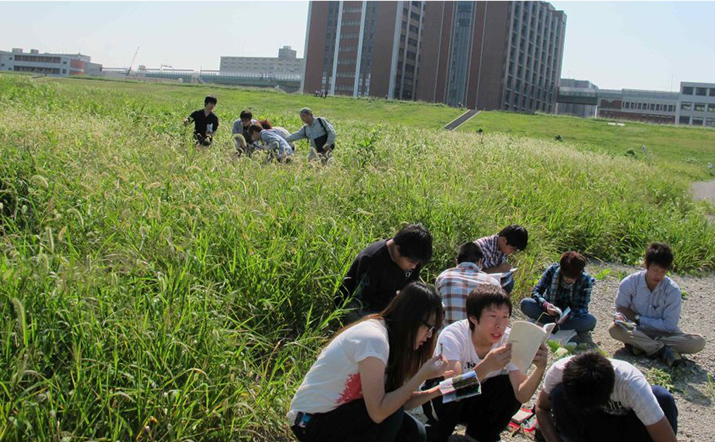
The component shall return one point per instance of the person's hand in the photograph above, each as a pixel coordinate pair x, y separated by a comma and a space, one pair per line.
186, 121
542, 356
434, 368
497, 358
551, 309
620, 317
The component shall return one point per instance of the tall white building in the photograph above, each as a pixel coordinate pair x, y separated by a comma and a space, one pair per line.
60, 65
696, 104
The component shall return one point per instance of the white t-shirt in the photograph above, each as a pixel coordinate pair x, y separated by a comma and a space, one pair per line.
456, 340
334, 378
630, 392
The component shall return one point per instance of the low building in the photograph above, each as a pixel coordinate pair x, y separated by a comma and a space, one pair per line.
60, 65
638, 105
573, 109
696, 104
285, 63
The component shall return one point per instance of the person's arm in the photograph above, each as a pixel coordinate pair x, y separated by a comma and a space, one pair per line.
381, 405
331, 132
544, 283
626, 291
668, 322
543, 416
420, 397
190, 118
216, 125
237, 128
501, 268
583, 298
525, 386
661, 431
353, 281
299, 135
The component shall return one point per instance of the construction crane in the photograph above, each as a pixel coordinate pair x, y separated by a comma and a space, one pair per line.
129, 70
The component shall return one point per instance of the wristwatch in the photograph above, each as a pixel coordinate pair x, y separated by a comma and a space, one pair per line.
638, 319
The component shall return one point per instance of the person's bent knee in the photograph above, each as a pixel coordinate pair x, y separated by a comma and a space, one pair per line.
530, 308
667, 404
615, 331
588, 324
698, 344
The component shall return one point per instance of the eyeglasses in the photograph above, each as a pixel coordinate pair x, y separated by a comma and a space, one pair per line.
430, 328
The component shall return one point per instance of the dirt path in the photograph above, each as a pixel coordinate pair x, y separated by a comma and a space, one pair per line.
704, 190
692, 385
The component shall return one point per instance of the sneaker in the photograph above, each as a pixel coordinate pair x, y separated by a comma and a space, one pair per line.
635, 351
671, 357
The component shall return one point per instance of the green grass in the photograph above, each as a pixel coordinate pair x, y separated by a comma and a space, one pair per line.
682, 150
152, 290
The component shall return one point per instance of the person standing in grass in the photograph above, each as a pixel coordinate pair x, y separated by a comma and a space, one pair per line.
383, 268
277, 147
205, 122
455, 284
244, 143
563, 285
591, 398
498, 247
479, 343
370, 373
651, 302
319, 132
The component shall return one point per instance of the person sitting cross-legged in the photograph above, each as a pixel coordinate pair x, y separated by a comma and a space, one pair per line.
590, 398
479, 343
651, 302
454, 285
497, 247
563, 285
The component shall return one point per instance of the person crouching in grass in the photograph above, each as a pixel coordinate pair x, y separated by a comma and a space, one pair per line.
205, 122
479, 343
273, 142
369, 373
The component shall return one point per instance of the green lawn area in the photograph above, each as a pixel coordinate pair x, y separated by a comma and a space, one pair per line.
271, 102
681, 149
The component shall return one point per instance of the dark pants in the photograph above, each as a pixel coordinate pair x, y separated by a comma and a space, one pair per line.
575, 425
485, 416
351, 423
203, 140
584, 323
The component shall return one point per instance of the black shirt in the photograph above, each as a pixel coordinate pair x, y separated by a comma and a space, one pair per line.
374, 278
200, 120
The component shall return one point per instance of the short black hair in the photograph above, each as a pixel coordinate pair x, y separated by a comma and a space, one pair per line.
415, 243
210, 99
470, 252
588, 380
246, 115
516, 236
660, 254
483, 296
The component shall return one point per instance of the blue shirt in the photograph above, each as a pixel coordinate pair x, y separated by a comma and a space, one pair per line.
659, 309
274, 140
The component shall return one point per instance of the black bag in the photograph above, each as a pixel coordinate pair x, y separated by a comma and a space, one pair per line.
320, 141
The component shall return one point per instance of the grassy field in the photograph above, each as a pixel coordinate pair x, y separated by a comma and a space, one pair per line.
153, 291
683, 150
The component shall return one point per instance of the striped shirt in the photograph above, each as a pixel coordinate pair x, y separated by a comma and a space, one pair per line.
493, 257
454, 285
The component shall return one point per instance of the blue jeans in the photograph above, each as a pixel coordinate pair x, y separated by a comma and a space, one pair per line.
531, 308
351, 423
575, 425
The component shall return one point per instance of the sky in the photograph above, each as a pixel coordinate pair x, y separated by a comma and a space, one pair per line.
633, 45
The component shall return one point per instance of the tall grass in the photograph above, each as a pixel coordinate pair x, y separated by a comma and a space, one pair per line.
153, 291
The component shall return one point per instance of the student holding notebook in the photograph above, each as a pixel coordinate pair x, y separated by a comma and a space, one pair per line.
479, 343
369, 373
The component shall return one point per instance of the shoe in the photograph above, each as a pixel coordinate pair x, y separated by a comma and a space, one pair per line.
671, 357
635, 351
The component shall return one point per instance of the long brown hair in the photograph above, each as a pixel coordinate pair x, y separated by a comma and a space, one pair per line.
414, 306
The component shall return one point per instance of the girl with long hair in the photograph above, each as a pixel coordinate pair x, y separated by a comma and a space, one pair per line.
369, 373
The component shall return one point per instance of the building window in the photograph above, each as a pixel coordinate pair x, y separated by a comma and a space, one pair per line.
684, 120
710, 122
701, 91
697, 122
64, 71
686, 106
699, 107
711, 107
687, 90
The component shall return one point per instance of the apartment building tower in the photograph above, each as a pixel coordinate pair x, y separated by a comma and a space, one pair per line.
363, 48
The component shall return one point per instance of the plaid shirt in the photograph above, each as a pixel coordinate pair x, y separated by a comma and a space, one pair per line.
454, 285
492, 255
578, 296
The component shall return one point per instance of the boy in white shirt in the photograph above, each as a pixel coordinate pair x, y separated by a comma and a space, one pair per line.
479, 343
590, 398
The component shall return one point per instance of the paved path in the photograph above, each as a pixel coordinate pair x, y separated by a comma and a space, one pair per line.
704, 190
461, 119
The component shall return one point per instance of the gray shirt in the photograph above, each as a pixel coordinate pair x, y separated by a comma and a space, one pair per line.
274, 141
314, 131
238, 127
659, 309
